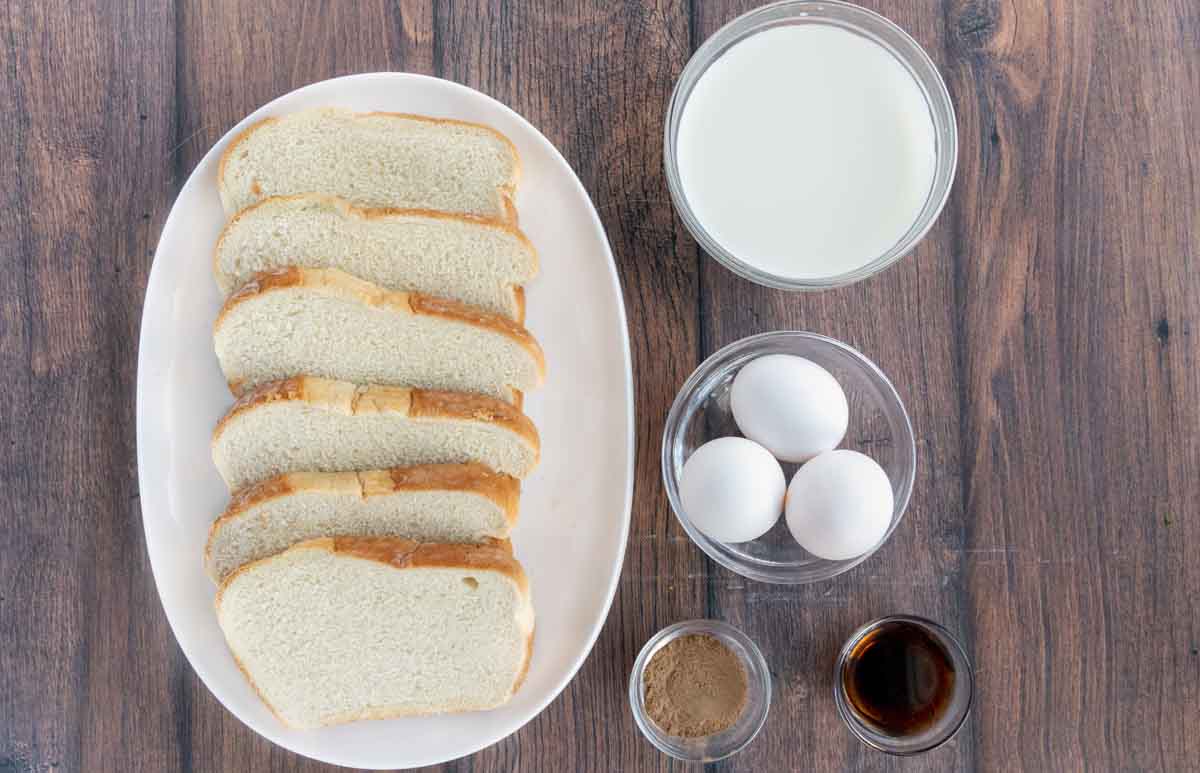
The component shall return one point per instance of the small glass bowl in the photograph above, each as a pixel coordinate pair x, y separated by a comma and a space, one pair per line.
949, 723
758, 694
879, 427
859, 21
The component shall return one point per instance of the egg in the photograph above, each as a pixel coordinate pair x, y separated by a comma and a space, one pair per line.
839, 505
790, 405
732, 489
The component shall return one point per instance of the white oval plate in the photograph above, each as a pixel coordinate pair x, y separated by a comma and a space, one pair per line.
575, 509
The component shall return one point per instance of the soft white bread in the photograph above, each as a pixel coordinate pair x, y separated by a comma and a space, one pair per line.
309, 424
428, 503
478, 262
375, 160
345, 628
324, 322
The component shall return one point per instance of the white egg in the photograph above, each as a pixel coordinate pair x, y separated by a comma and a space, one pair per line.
791, 406
732, 489
839, 505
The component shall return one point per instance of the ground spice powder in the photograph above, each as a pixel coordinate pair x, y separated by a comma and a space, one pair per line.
695, 686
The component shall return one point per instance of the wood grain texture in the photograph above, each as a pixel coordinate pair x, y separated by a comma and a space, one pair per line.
87, 131
1043, 337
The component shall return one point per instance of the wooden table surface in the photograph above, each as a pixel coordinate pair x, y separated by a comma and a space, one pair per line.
1044, 335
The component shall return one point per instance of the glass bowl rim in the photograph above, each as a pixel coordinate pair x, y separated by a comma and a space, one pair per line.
757, 20
757, 669
844, 711
707, 370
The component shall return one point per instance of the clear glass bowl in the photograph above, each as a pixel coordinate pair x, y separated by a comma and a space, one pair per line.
758, 694
862, 22
944, 728
879, 427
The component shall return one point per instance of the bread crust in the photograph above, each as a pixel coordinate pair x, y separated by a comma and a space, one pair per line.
398, 553
505, 192
223, 162
352, 211
347, 210
333, 395
434, 404
401, 553
503, 490
456, 311
371, 295
469, 477
519, 299
353, 399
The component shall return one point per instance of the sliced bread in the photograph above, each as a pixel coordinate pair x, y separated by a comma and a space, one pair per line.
326, 323
429, 503
375, 160
307, 424
478, 262
344, 628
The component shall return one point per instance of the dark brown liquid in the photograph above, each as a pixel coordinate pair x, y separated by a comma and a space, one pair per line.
899, 678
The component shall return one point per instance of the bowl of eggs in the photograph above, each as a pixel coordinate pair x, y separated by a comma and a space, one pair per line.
788, 457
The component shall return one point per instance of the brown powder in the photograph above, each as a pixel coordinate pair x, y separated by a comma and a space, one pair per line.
695, 686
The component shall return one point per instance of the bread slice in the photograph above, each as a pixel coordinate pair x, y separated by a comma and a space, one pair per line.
326, 323
344, 628
375, 160
309, 424
429, 503
478, 262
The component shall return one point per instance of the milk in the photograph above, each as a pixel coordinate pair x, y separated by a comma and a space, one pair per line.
806, 151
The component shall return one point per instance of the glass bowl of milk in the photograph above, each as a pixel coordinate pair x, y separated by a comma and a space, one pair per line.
810, 144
